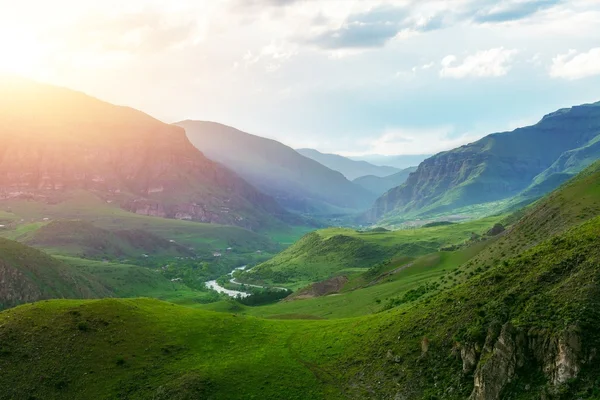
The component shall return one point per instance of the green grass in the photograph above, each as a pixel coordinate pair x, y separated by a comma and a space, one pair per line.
365, 293
145, 349
127, 281
323, 253
87, 207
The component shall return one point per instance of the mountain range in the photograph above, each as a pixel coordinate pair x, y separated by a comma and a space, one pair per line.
298, 183
351, 169
401, 161
380, 185
55, 141
510, 167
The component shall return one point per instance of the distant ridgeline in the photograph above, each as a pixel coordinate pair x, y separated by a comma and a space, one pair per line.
298, 183
499, 170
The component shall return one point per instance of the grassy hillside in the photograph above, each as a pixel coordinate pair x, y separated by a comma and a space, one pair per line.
28, 216
30, 275
84, 239
127, 281
325, 252
522, 329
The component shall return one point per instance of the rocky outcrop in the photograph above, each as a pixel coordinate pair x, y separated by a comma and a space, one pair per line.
55, 141
495, 167
560, 358
323, 288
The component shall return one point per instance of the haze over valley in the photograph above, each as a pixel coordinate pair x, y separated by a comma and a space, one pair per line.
299, 199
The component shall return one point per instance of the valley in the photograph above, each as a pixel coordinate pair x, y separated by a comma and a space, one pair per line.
191, 260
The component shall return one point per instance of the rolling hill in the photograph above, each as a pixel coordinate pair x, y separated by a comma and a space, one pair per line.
325, 252
29, 275
521, 326
351, 169
298, 183
380, 185
54, 140
402, 161
527, 162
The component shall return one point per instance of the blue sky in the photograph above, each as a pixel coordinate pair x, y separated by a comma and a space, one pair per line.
351, 77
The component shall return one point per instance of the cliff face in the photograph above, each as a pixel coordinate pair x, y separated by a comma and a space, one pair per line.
55, 140
496, 167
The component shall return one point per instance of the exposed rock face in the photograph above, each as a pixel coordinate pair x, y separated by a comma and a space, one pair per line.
498, 166
54, 140
559, 357
323, 288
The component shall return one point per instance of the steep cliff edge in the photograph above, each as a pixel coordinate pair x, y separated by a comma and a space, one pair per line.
54, 140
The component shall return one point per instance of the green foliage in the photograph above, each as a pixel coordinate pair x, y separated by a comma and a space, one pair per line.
323, 253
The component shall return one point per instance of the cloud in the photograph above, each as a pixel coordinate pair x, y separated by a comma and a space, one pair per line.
504, 11
415, 141
573, 65
375, 27
487, 63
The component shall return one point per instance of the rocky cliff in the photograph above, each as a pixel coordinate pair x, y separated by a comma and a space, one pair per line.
497, 167
55, 140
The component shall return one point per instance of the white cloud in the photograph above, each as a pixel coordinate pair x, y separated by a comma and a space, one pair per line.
487, 63
414, 141
573, 65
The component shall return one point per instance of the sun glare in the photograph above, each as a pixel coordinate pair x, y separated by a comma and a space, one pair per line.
21, 51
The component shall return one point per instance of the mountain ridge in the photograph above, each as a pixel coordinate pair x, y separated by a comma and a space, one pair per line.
299, 183
496, 167
55, 140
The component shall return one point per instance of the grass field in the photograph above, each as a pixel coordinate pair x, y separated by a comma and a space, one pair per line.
323, 253
87, 207
127, 281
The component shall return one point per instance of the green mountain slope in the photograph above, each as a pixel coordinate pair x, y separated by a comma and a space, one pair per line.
351, 169
323, 253
86, 240
522, 326
298, 183
25, 216
380, 185
29, 275
54, 140
498, 167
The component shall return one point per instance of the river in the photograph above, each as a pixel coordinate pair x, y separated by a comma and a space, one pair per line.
235, 293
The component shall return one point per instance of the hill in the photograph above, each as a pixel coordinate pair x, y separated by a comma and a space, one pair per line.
298, 183
54, 140
519, 325
351, 169
380, 185
326, 252
29, 275
528, 161
88, 241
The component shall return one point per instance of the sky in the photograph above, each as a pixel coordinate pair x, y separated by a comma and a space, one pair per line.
342, 76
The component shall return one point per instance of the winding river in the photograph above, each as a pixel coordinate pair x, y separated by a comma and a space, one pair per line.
235, 293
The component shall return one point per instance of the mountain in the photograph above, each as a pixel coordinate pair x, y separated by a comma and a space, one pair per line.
519, 322
351, 169
297, 182
380, 185
29, 275
54, 141
398, 161
528, 161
